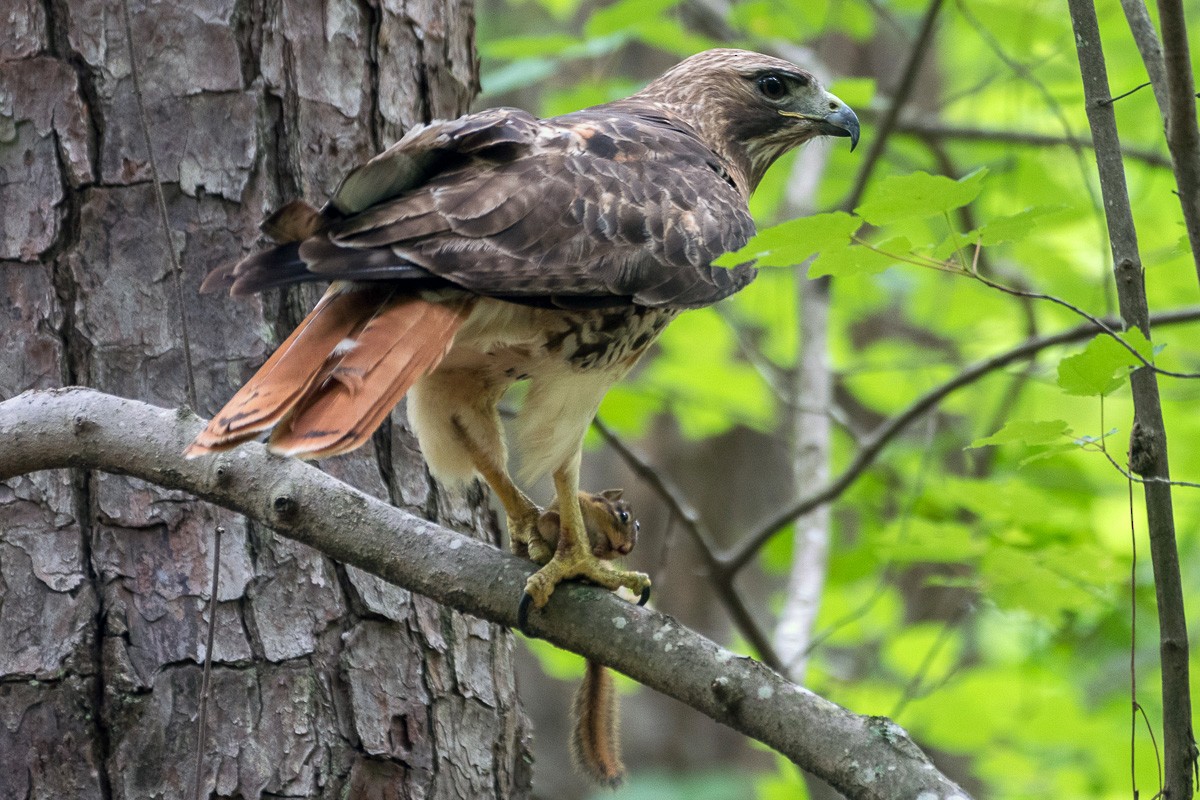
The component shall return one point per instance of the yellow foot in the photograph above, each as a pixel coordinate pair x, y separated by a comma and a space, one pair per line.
577, 563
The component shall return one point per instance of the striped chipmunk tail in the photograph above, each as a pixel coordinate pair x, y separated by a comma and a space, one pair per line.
595, 738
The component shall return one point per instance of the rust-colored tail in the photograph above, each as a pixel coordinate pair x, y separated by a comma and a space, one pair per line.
595, 738
329, 386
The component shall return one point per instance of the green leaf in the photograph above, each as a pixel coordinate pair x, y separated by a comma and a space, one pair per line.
922, 540
860, 260
920, 195
1029, 432
518, 74
624, 15
792, 242
854, 92
1103, 364
520, 47
762, 19
562, 9
670, 36
1013, 227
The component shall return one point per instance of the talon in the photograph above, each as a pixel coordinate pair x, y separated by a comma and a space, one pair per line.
645, 598
523, 613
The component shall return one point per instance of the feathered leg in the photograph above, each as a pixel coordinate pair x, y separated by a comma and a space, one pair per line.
521, 512
454, 413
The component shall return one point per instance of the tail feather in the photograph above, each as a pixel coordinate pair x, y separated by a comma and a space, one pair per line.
331, 383
356, 390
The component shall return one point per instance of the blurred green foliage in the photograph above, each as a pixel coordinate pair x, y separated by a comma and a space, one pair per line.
1009, 502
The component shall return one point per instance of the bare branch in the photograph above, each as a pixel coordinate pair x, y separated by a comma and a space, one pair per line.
719, 574
947, 132
1171, 76
873, 445
87, 429
1146, 38
1183, 135
1148, 442
916, 56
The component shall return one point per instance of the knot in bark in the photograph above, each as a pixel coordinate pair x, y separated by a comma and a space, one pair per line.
284, 506
727, 693
1143, 450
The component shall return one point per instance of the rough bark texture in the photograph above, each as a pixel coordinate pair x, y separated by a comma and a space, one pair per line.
327, 682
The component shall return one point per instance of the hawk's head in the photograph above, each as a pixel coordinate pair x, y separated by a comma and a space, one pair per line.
751, 108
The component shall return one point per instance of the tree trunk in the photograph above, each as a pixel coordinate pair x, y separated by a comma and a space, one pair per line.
326, 682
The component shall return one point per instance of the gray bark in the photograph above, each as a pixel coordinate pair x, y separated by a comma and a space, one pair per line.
866, 758
327, 682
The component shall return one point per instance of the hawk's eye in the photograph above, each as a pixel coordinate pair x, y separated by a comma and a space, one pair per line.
772, 87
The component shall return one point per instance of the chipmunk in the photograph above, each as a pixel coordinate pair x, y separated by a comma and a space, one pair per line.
612, 532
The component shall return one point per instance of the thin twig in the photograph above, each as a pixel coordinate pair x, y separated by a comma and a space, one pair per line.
176, 269
722, 578
1133, 701
189, 373
887, 125
1025, 73
1150, 48
1123, 95
948, 132
1139, 478
1105, 329
874, 444
972, 271
913, 687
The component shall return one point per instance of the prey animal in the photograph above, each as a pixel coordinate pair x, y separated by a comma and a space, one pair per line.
612, 532
499, 248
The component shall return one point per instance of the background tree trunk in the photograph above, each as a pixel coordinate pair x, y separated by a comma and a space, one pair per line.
327, 682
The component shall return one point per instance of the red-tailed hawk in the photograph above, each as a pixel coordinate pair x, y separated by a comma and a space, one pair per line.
498, 247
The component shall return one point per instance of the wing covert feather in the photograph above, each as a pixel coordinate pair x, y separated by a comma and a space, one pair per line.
598, 207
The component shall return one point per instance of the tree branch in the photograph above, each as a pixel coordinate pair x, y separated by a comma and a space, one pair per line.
686, 514
873, 445
863, 757
1171, 76
1150, 48
1183, 135
887, 124
946, 132
1148, 442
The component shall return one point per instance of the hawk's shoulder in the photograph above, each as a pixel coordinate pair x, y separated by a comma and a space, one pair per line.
617, 204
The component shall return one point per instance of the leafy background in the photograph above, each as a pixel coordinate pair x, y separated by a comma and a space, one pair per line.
984, 572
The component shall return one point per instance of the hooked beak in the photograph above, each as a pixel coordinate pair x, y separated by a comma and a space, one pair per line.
842, 122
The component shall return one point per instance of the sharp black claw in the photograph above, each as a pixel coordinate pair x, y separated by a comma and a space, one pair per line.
645, 598
523, 613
